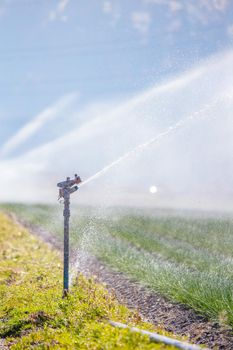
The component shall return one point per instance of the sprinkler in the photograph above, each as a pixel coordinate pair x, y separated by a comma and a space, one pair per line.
65, 189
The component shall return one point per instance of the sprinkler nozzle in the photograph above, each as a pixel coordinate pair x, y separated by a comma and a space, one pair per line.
69, 183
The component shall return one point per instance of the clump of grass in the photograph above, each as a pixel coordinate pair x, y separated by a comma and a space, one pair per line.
32, 313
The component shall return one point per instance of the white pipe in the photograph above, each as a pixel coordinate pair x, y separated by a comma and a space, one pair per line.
157, 338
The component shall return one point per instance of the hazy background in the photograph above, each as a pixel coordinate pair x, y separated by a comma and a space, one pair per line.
83, 82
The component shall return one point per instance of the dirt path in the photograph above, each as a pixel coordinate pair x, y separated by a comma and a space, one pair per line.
176, 318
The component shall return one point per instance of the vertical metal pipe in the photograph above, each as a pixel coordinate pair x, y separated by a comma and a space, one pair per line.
66, 214
65, 189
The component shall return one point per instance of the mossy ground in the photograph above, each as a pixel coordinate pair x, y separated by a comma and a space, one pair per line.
34, 316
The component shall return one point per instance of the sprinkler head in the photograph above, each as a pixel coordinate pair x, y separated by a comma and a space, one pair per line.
69, 183
67, 187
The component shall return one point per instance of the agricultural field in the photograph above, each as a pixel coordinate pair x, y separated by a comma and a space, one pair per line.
34, 316
184, 255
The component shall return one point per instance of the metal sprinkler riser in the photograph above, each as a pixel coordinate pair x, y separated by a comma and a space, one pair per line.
66, 188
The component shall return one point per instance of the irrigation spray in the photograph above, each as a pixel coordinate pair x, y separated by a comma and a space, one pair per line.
66, 188
156, 139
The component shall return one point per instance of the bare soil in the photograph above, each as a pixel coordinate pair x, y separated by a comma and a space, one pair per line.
173, 317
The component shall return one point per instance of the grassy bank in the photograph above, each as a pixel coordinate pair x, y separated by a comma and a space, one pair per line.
185, 256
32, 313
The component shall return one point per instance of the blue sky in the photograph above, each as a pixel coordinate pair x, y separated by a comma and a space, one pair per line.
102, 50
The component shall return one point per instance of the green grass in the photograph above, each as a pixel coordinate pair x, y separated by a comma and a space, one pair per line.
34, 316
186, 256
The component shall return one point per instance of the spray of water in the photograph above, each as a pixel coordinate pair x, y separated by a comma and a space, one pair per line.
90, 232
156, 139
89, 238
